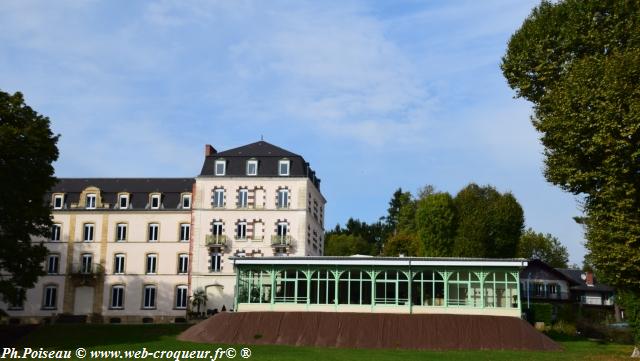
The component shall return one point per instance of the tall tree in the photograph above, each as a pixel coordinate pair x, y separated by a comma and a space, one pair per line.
489, 223
506, 225
578, 62
582, 76
436, 223
27, 151
545, 247
399, 200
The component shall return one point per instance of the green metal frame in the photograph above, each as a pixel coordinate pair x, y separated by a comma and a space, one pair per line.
379, 287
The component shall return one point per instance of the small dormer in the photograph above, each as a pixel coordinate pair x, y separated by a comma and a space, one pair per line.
124, 200
155, 200
220, 167
90, 198
252, 167
284, 167
185, 200
57, 201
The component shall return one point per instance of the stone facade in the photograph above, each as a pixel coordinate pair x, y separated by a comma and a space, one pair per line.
135, 250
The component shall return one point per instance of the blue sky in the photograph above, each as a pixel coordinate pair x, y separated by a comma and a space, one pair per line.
375, 95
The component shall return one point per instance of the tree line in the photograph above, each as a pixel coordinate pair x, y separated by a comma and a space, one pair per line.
478, 221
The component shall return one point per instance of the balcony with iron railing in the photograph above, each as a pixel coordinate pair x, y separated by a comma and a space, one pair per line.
86, 274
282, 241
216, 240
546, 295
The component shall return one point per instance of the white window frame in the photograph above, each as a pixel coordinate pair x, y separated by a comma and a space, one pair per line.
223, 171
53, 261
149, 296
243, 198
91, 200
183, 263
151, 264
185, 232
282, 229
187, 198
153, 232
182, 297
50, 297
216, 261
218, 198
86, 265
125, 198
217, 228
56, 198
254, 163
119, 263
114, 304
280, 164
88, 232
56, 229
121, 232
280, 203
241, 230
155, 197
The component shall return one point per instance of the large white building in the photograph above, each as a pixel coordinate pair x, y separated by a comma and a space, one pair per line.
135, 250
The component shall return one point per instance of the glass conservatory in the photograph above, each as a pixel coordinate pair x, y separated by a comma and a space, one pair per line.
375, 284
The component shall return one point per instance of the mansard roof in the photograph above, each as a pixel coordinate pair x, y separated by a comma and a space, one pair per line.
139, 189
257, 149
268, 157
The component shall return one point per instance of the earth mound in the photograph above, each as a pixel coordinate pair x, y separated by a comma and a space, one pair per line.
370, 330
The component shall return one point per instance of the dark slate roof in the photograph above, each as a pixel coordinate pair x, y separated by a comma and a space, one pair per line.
576, 276
267, 156
260, 148
138, 188
538, 269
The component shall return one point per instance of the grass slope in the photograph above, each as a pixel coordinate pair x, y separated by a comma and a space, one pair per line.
163, 337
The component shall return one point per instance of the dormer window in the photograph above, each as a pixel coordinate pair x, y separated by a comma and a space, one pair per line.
221, 167
91, 201
252, 167
283, 167
123, 201
58, 201
155, 201
186, 201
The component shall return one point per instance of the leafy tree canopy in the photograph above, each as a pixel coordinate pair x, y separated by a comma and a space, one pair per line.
436, 224
578, 62
27, 151
489, 223
345, 245
545, 247
403, 244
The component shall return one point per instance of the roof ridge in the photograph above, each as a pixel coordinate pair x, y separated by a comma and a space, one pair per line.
250, 148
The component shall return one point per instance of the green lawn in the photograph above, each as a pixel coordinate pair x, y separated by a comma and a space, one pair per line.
163, 337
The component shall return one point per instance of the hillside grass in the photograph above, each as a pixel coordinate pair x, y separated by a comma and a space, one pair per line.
163, 337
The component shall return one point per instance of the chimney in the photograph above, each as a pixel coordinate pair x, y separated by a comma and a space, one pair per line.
589, 279
209, 150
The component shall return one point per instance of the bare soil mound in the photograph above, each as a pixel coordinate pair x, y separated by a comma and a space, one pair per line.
370, 330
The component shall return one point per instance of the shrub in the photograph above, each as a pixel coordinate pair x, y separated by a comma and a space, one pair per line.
542, 312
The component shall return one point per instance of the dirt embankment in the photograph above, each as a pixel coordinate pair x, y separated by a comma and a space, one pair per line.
369, 330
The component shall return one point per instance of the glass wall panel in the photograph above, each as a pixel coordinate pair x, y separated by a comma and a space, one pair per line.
427, 289
392, 288
322, 288
500, 290
291, 287
464, 289
354, 288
